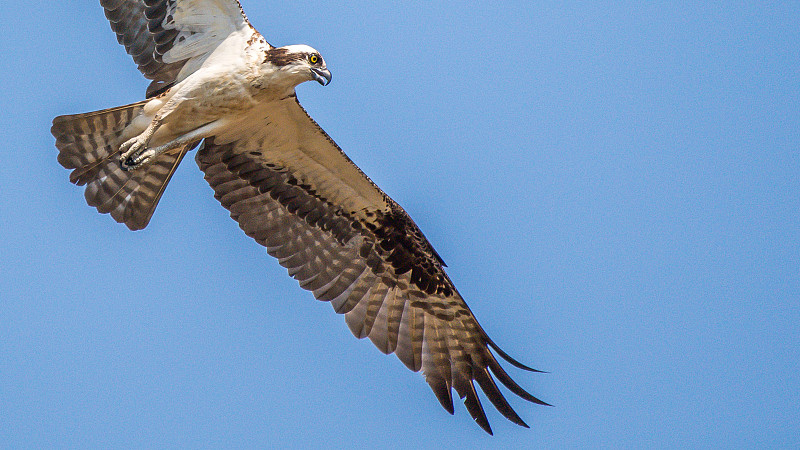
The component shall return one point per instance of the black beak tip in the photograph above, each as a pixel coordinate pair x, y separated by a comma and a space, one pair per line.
322, 76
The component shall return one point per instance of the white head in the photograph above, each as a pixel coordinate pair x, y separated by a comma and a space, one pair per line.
301, 61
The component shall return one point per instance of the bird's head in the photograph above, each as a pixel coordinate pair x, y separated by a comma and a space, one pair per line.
301, 62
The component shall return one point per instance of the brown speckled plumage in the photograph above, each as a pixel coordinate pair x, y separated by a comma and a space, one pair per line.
287, 184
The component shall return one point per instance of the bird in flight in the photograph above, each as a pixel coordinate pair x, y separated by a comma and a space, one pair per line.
217, 83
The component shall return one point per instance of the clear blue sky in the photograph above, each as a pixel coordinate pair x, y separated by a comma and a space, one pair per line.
615, 187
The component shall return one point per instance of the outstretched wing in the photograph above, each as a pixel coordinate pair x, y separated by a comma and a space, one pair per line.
169, 39
293, 190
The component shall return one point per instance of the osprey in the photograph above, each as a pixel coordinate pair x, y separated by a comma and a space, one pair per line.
215, 80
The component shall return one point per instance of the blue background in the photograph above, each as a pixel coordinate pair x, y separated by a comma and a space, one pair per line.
615, 188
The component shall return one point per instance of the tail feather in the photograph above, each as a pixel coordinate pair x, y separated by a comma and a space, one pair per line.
89, 145
86, 140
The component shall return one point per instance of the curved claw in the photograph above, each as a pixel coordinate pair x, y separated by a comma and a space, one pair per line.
127, 164
131, 153
137, 160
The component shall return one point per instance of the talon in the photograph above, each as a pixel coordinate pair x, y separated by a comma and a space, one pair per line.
132, 154
137, 160
128, 160
130, 149
127, 164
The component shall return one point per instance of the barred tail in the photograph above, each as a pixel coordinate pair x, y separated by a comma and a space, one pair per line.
89, 144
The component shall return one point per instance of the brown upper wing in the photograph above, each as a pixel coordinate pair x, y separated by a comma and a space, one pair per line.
294, 191
163, 36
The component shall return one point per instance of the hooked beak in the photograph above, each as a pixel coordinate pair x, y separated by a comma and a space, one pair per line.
322, 76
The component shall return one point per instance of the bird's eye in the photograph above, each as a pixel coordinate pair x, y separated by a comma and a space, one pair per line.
313, 58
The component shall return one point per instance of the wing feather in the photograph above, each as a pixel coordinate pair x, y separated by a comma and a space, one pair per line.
294, 191
162, 36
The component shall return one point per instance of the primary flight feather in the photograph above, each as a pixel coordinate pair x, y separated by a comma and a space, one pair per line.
215, 80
